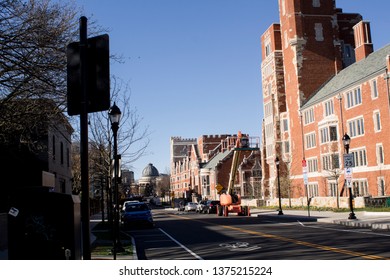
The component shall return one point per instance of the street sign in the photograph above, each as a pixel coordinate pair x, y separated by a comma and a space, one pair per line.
305, 179
219, 188
348, 176
348, 173
348, 161
98, 78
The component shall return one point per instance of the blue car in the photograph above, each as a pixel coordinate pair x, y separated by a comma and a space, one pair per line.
137, 214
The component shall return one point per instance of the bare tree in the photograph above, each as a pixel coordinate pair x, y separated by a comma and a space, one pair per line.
332, 168
133, 138
33, 39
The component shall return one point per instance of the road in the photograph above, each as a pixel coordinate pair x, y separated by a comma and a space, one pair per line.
190, 236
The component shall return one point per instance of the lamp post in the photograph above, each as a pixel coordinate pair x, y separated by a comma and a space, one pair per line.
346, 142
280, 198
115, 115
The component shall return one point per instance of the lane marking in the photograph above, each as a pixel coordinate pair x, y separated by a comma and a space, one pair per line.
295, 241
181, 245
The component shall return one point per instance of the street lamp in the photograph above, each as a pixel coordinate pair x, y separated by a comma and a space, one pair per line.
115, 116
346, 142
280, 198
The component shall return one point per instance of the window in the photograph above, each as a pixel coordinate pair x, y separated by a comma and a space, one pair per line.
267, 109
312, 190
269, 89
328, 134
381, 186
329, 108
377, 121
316, 3
354, 98
206, 185
312, 165
269, 129
267, 49
309, 116
374, 89
310, 140
380, 157
330, 162
286, 147
319, 32
285, 125
332, 189
360, 157
356, 127
360, 187
324, 135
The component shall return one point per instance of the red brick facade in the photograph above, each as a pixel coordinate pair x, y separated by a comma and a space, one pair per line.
314, 92
199, 165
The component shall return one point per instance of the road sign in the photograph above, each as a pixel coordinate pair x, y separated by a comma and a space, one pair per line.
219, 188
98, 78
305, 179
348, 161
348, 176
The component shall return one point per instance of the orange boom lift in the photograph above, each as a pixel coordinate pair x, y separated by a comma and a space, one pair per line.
231, 202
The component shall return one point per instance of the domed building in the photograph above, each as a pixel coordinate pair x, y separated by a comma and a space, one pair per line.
147, 183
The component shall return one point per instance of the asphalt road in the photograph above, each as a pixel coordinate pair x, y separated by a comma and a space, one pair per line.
187, 236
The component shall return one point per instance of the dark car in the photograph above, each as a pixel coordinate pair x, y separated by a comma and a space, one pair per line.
137, 214
211, 206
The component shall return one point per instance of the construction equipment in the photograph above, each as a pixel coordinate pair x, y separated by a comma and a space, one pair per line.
231, 202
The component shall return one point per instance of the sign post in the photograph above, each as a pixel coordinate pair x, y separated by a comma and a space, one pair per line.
306, 182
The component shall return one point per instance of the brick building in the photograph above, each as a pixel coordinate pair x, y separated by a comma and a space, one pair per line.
321, 79
198, 166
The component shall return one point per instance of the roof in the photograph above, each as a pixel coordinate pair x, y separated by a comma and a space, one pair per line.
350, 76
215, 160
150, 171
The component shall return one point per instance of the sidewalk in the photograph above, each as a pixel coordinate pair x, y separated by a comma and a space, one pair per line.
94, 221
372, 220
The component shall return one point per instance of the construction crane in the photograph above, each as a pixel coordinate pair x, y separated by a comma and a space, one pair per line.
231, 202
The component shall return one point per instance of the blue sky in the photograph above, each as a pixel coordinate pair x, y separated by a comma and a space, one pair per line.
193, 66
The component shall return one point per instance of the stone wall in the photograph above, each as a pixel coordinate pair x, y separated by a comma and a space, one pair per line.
328, 202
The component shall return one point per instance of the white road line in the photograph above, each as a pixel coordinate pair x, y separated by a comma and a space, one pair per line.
181, 245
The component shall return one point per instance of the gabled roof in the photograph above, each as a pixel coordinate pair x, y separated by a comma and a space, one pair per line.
351, 76
217, 159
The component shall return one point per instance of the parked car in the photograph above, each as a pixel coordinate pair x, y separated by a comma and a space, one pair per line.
211, 206
137, 214
200, 206
190, 206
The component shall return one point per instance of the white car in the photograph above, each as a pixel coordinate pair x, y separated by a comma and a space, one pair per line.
190, 206
127, 203
201, 206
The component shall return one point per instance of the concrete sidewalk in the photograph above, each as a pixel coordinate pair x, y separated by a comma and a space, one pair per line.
372, 220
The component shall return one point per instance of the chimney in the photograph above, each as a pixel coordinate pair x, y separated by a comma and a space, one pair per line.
363, 43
